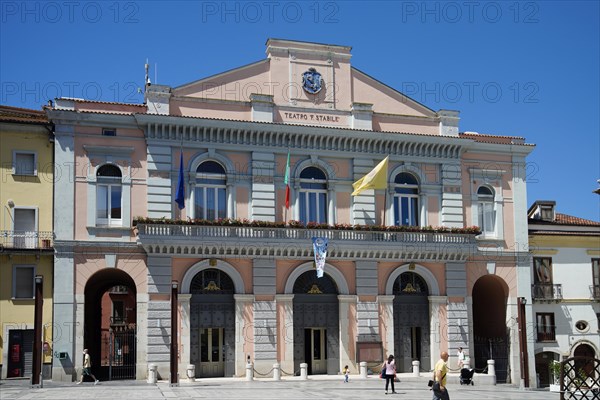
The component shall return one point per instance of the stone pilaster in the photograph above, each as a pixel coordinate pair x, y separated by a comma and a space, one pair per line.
285, 308
185, 333
436, 305
346, 338
386, 309
241, 326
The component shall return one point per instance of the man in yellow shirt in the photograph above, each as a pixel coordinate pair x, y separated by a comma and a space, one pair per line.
439, 376
87, 368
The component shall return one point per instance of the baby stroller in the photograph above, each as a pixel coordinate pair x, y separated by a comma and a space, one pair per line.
466, 376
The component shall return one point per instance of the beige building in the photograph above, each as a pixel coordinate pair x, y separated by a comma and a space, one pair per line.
26, 238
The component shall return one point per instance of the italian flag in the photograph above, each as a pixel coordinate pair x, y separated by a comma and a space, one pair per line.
286, 180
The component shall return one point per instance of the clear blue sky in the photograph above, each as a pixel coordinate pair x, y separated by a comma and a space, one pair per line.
512, 68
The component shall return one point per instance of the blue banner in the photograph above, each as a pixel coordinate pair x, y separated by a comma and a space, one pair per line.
320, 250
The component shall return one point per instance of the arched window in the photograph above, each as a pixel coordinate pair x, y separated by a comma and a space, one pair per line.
410, 283
210, 199
313, 195
406, 200
109, 196
486, 216
212, 281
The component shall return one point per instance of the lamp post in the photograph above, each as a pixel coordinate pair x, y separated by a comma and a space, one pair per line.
521, 302
36, 370
174, 329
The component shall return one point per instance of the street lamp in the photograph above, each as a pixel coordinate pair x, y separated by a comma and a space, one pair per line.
174, 353
36, 370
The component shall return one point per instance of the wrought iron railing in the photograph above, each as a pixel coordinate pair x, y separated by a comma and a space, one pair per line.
548, 335
595, 292
17, 240
249, 232
546, 291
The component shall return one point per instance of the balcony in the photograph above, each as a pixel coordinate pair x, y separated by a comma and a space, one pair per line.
548, 335
546, 292
595, 292
26, 241
296, 242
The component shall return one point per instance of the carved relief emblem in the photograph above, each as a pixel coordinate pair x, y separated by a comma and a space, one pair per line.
312, 82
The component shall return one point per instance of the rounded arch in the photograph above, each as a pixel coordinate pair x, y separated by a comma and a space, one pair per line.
434, 289
411, 169
104, 279
330, 270
238, 282
313, 162
212, 156
110, 165
576, 345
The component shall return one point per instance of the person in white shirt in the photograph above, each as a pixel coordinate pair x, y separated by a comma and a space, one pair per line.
461, 357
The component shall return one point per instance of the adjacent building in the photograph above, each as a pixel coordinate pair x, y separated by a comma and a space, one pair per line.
262, 158
565, 287
26, 238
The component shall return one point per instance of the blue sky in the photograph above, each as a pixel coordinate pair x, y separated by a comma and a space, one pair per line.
512, 68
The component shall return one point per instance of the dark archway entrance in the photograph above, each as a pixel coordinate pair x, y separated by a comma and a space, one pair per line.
411, 321
316, 324
492, 339
542, 367
212, 324
110, 316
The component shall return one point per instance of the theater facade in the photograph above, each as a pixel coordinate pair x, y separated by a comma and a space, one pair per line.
433, 261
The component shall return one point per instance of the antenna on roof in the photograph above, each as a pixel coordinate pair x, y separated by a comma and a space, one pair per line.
155, 72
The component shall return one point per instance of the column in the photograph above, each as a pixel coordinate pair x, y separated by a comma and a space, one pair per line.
348, 334
64, 314
185, 334
243, 305
141, 352
386, 308
436, 306
285, 325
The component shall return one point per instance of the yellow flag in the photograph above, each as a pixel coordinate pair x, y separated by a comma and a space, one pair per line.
376, 179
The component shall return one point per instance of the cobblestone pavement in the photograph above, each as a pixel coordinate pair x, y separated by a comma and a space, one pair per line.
288, 389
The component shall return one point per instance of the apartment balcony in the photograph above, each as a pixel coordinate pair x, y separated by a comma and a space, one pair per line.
549, 335
296, 242
546, 292
595, 292
26, 241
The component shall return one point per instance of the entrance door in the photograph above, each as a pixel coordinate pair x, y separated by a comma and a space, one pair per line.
318, 350
20, 353
212, 356
24, 231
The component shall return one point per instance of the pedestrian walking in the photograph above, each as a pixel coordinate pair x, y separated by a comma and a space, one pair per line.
390, 373
461, 357
439, 376
87, 368
346, 372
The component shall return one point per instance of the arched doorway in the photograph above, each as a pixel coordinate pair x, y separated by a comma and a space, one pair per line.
584, 360
490, 332
316, 323
542, 367
212, 324
110, 315
411, 321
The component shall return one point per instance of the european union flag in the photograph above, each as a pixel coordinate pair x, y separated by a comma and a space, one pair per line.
180, 195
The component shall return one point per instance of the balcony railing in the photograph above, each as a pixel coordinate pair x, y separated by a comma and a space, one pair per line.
26, 240
595, 292
546, 291
248, 232
547, 336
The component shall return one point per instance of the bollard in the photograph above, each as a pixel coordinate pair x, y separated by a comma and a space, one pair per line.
249, 372
363, 369
277, 371
191, 372
416, 368
152, 373
492, 369
303, 373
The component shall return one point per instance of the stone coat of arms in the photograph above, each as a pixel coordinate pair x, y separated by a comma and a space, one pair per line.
312, 82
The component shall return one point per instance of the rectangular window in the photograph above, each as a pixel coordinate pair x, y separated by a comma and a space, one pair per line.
406, 211
24, 163
596, 271
542, 270
545, 327
210, 203
23, 281
486, 218
109, 132
108, 205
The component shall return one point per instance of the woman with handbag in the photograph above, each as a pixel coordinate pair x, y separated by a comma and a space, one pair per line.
388, 371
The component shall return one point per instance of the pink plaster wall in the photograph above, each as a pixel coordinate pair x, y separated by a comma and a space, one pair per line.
90, 260
433, 210
385, 269
343, 207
